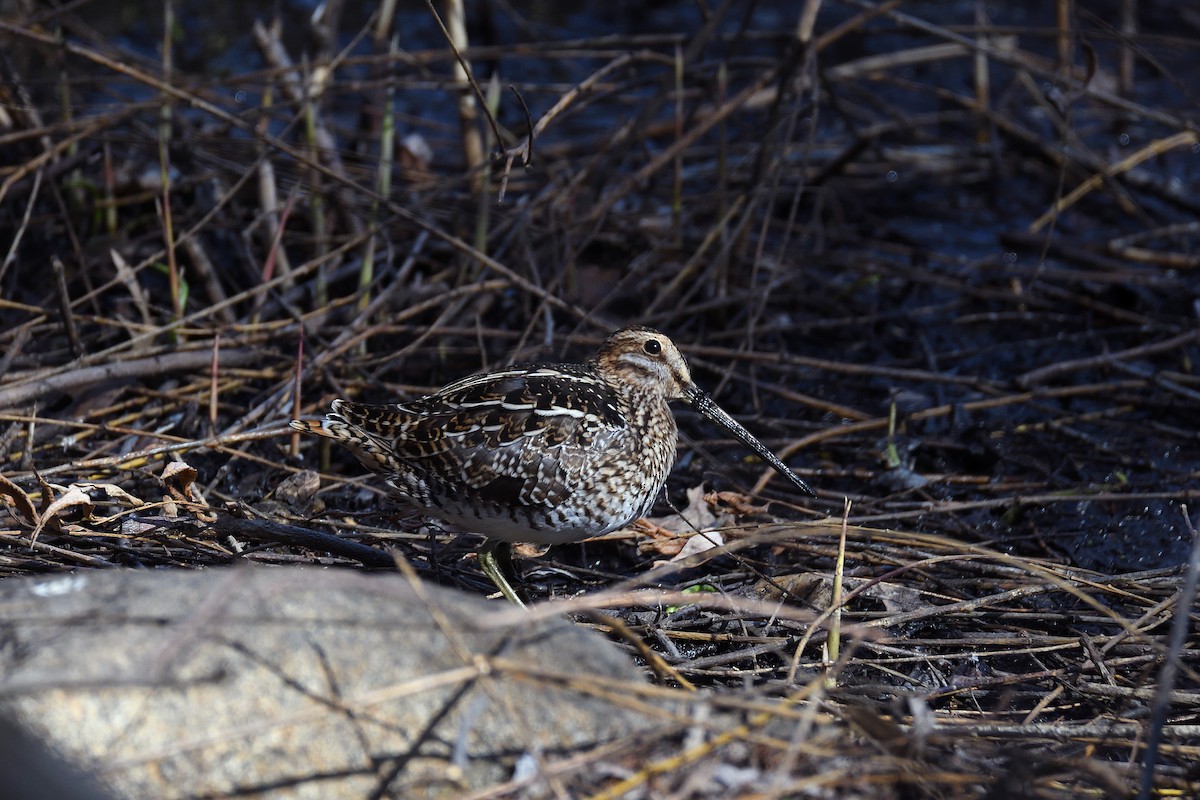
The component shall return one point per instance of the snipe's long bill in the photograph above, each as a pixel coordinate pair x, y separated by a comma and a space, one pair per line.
545, 453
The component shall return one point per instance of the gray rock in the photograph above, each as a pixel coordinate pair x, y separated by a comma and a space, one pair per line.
297, 682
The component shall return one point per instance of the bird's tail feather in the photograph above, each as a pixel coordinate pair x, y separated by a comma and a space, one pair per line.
367, 430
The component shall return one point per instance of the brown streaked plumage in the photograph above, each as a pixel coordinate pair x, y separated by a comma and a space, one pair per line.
546, 453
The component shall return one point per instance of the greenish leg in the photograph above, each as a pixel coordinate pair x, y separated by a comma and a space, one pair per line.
495, 559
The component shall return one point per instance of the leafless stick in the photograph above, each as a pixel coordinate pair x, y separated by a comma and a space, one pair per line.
36, 387
1039, 375
11, 256
64, 305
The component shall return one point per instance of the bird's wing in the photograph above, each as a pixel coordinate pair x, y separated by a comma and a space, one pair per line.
521, 436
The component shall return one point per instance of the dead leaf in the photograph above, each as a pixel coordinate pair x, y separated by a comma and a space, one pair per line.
110, 492
299, 488
815, 590
674, 536
48, 493
696, 516
20, 500
738, 503
697, 543
811, 589
179, 472
180, 479
655, 539
178, 476
530, 550
132, 526
73, 497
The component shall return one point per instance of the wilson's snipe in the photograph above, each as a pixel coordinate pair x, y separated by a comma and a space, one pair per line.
546, 453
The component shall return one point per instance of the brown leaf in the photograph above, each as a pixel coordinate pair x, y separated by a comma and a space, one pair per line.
48, 491
696, 543
19, 499
696, 516
738, 503
674, 536
657, 540
299, 488
180, 479
529, 549
74, 497
179, 472
815, 590
110, 492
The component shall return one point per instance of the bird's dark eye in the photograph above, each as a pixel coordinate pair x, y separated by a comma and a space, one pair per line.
653, 347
